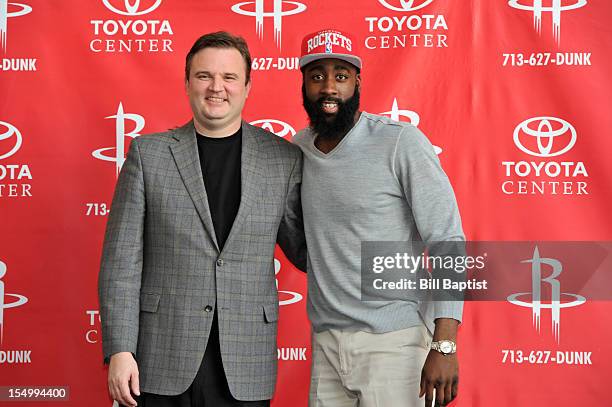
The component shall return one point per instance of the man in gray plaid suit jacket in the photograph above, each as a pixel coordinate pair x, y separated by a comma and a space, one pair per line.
187, 288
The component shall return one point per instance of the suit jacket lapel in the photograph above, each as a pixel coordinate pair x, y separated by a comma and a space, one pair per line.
185, 153
251, 175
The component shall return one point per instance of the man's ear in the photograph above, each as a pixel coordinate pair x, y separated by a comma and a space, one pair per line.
358, 80
248, 87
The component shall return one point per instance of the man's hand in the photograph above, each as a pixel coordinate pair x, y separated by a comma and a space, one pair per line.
440, 372
123, 376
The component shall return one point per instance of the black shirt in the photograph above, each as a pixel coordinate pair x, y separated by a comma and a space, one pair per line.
220, 161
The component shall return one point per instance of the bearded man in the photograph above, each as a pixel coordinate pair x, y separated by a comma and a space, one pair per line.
369, 178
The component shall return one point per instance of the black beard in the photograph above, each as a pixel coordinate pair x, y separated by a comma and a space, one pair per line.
341, 123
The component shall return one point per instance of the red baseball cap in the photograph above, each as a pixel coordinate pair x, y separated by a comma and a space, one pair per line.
329, 44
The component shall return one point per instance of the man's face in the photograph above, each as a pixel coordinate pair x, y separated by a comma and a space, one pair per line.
331, 95
216, 87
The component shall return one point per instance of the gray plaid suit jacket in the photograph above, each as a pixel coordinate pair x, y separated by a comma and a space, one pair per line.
161, 265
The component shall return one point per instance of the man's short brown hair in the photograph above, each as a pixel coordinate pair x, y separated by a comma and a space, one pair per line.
220, 39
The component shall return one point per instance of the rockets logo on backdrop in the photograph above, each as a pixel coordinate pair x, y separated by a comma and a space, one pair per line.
280, 9
14, 176
537, 7
17, 299
396, 113
23, 9
557, 299
9, 11
406, 27
281, 129
552, 11
121, 133
130, 31
9, 301
413, 118
285, 297
546, 138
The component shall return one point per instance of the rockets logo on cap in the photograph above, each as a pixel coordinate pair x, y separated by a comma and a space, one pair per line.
329, 38
328, 47
329, 44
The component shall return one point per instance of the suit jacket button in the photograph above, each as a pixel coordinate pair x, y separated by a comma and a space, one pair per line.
220, 262
208, 308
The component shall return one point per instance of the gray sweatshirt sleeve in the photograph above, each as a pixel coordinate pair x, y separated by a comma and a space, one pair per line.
431, 198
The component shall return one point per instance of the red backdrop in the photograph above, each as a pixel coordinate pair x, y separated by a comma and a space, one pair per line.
515, 95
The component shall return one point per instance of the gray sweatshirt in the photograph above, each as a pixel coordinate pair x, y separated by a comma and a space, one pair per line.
382, 182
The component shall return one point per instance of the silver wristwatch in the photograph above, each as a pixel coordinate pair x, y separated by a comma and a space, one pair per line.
445, 347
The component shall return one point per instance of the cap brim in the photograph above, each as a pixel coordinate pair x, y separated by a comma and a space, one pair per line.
351, 59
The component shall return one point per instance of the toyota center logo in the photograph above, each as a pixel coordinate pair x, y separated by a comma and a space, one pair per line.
18, 10
285, 297
13, 175
14, 138
16, 300
281, 129
278, 12
406, 5
556, 300
120, 134
132, 8
545, 136
133, 35
556, 8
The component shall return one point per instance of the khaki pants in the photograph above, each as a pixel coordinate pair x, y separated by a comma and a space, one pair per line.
367, 369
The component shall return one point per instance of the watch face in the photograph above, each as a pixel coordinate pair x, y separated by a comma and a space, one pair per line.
446, 347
